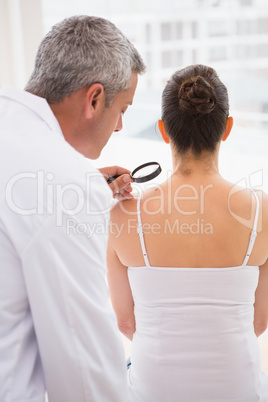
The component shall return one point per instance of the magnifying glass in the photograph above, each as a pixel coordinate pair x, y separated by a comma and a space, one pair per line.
142, 173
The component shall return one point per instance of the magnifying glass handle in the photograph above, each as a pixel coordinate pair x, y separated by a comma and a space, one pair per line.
112, 178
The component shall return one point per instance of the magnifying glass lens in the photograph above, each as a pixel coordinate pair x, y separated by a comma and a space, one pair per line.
144, 171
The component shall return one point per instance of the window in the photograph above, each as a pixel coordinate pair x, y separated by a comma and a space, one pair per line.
246, 2
217, 28
247, 27
217, 53
194, 29
178, 58
242, 52
166, 59
148, 33
242, 27
194, 58
262, 26
262, 50
172, 58
253, 27
179, 30
166, 31
148, 60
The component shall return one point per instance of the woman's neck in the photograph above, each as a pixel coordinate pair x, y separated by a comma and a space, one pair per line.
190, 165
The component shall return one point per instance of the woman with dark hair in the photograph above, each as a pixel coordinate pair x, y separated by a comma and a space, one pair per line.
187, 262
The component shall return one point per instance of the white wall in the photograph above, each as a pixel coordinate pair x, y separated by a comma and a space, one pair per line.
21, 30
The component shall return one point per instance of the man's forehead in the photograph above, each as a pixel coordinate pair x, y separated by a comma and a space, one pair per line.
129, 93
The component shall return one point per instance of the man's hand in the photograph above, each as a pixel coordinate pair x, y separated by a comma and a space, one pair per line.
121, 187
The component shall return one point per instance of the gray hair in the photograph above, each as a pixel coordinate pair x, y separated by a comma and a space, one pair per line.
81, 51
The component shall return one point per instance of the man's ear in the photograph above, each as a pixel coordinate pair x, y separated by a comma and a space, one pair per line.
95, 97
161, 128
229, 125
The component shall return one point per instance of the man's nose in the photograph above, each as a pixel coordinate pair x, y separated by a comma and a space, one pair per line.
119, 124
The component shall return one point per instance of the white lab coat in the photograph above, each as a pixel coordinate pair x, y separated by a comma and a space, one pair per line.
58, 333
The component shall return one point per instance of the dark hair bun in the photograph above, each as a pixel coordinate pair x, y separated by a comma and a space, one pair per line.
197, 96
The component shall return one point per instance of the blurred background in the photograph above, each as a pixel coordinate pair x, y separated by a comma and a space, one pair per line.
228, 35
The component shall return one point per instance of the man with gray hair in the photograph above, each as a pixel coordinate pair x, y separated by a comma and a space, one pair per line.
58, 334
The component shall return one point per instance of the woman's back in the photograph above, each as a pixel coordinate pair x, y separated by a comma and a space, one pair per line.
199, 222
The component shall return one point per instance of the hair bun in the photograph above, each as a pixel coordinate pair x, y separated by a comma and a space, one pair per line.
197, 96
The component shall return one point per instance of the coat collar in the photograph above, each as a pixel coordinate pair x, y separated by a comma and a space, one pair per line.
37, 104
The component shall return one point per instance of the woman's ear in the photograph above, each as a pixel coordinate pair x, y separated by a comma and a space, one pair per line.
161, 128
229, 125
95, 97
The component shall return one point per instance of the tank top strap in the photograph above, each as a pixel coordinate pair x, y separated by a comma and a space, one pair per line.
144, 252
253, 234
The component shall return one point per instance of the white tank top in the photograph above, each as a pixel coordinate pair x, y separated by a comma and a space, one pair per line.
194, 339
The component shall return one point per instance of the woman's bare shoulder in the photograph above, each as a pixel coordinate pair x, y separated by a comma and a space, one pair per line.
123, 210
